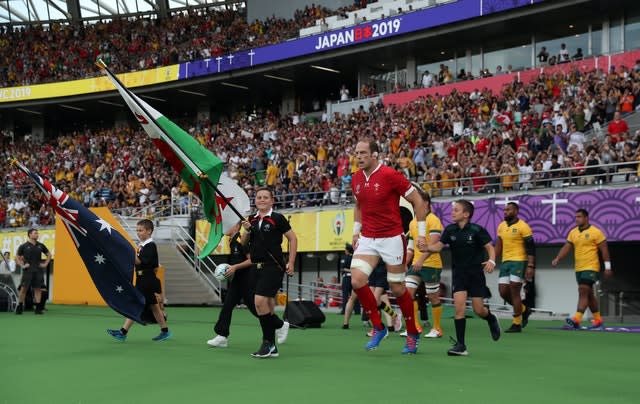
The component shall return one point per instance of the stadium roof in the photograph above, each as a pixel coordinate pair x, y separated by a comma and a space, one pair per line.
24, 12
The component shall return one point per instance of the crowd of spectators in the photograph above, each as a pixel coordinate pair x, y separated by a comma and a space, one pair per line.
40, 54
526, 136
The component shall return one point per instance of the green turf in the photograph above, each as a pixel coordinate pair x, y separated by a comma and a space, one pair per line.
65, 356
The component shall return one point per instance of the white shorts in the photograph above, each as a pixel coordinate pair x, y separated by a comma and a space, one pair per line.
391, 249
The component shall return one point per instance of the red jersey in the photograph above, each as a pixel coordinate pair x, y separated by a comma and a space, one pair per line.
379, 199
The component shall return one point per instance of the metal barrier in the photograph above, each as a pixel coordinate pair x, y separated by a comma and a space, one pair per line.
204, 267
186, 245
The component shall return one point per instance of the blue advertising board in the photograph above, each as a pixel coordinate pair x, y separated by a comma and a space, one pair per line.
357, 34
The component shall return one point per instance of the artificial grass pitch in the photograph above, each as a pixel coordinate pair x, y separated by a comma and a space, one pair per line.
65, 356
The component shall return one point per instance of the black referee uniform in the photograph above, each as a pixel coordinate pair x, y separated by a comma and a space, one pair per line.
265, 249
32, 253
468, 254
241, 287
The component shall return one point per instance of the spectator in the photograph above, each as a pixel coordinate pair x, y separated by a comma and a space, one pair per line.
578, 55
344, 93
616, 128
543, 56
563, 55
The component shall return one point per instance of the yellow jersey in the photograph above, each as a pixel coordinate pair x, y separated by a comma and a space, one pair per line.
512, 238
434, 226
585, 247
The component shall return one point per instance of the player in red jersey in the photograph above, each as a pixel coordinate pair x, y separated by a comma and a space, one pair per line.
378, 233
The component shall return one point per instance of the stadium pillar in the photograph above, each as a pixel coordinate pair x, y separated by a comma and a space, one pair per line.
412, 81
288, 104
73, 7
468, 60
605, 36
37, 128
204, 111
162, 8
363, 78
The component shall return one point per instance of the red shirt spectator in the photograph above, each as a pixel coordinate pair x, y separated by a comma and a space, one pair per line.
617, 127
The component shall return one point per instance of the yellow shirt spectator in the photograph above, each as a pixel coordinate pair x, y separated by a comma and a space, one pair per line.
321, 154
272, 174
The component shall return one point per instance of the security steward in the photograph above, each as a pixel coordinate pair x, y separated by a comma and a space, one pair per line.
264, 233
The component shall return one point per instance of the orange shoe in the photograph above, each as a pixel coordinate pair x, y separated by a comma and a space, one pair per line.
596, 324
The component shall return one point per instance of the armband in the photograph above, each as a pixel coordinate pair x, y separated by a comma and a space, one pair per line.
493, 262
357, 227
607, 265
422, 229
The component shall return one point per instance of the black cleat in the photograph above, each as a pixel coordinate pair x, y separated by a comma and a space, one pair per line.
19, 308
458, 349
494, 327
267, 350
514, 328
345, 326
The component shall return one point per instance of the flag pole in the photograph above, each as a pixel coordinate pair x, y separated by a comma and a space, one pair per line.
200, 173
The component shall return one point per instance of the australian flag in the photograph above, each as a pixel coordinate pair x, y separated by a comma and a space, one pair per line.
108, 256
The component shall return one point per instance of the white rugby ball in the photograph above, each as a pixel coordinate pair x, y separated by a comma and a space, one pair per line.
220, 270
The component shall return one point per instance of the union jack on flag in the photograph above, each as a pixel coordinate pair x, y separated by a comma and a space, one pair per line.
106, 253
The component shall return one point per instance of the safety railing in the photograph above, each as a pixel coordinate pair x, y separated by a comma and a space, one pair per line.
203, 267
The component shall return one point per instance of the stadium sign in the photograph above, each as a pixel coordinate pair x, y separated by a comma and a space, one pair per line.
412, 21
354, 35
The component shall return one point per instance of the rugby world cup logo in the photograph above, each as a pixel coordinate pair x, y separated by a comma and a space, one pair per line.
338, 223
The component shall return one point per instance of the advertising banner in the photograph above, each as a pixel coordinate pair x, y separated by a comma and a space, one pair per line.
10, 240
88, 86
368, 31
551, 216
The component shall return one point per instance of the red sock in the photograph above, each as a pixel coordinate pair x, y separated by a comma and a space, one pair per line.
368, 302
406, 305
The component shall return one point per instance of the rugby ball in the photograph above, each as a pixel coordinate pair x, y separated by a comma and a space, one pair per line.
220, 271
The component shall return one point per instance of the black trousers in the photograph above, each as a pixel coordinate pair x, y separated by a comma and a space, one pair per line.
346, 293
241, 288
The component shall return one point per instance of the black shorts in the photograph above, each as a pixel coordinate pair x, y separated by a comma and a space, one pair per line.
149, 285
378, 278
268, 278
472, 281
32, 278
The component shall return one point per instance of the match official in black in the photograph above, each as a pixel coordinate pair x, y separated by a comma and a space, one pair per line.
264, 234
29, 257
469, 244
241, 287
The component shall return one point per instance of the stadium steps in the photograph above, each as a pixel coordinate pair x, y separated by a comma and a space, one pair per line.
182, 284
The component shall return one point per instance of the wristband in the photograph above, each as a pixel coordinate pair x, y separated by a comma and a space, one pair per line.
607, 265
493, 262
422, 229
357, 226
531, 266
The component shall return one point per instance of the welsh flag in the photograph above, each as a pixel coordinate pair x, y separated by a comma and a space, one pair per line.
196, 165
499, 119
